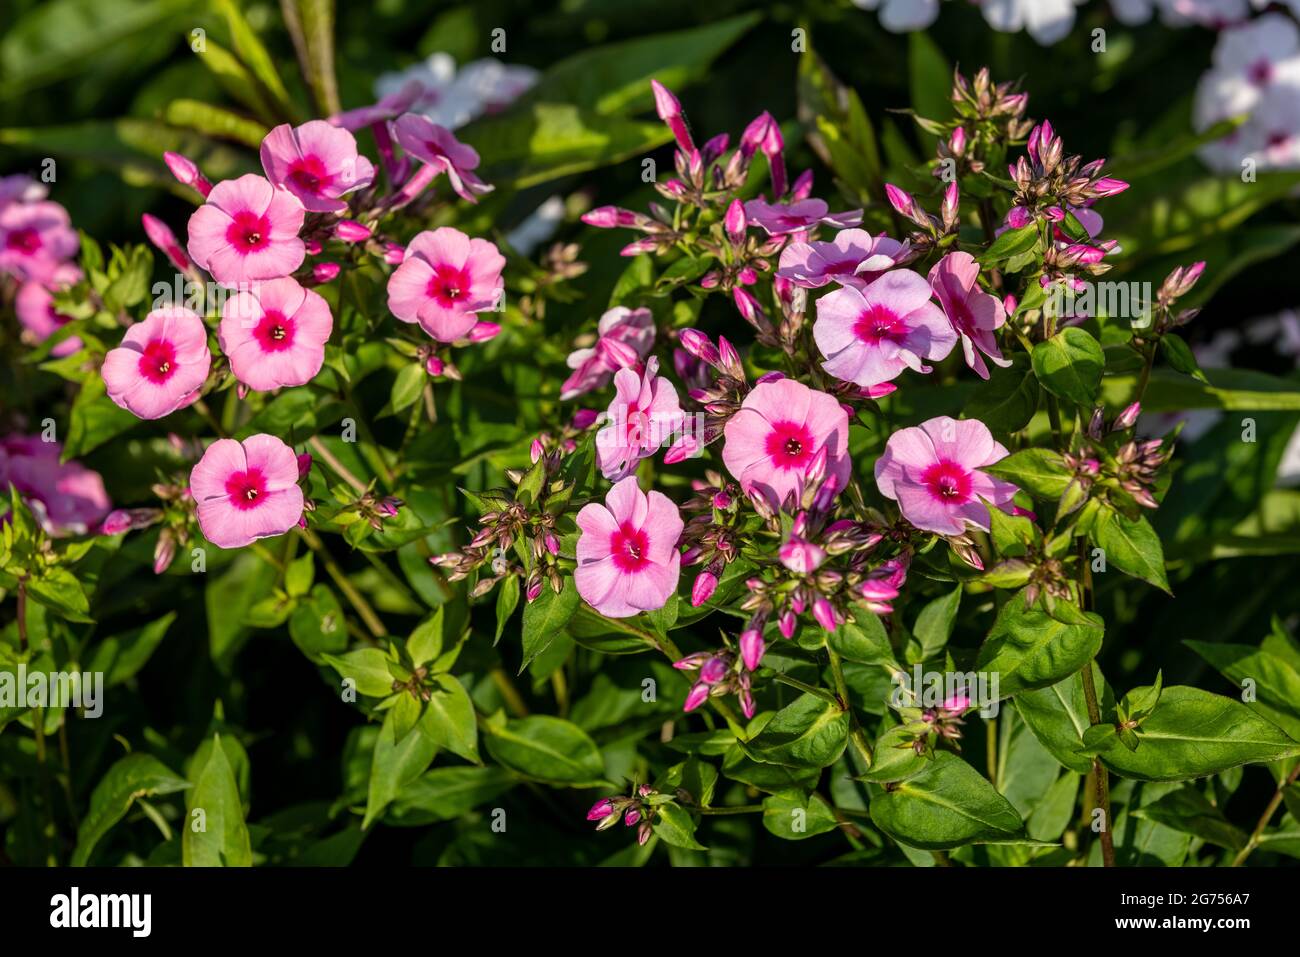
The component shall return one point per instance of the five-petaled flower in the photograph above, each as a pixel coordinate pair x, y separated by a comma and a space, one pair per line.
246, 490
317, 162
275, 334
445, 279
627, 551
160, 365
247, 231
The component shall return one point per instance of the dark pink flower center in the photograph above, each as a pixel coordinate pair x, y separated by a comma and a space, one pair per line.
158, 362
274, 332
309, 175
1260, 72
948, 482
841, 267
787, 222
790, 445
877, 323
24, 240
959, 314
246, 489
448, 285
248, 232
629, 547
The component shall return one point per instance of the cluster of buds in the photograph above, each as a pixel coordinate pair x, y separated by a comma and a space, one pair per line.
636, 811
724, 672
1166, 318
1063, 261
1048, 182
742, 255
1039, 575
927, 727
1129, 472
711, 535
554, 446
720, 388
932, 232
1135, 468
980, 103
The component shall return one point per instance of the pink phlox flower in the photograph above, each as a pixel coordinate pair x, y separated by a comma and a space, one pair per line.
627, 551
933, 472
445, 279
246, 490
66, 498
438, 146
974, 313
35, 239
774, 439
34, 305
778, 219
247, 231
161, 364
625, 339
853, 258
316, 162
644, 413
870, 336
275, 335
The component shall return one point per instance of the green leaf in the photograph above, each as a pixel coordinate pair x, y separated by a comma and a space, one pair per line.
1070, 365
398, 760
1180, 356
1008, 401
674, 825
796, 815
1058, 717
546, 617
1132, 546
808, 732
1193, 733
214, 121
311, 25
930, 77
1274, 681
299, 574
425, 643
864, 639
934, 624
317, 625
255, 56
59, 590
444, 794
507, 602
1040, 472
1188, 811
1029, 648
946, 805
547, 749
449, 719
408, 386
131, 777
367, 668
1012, 243
223, 839
122, 655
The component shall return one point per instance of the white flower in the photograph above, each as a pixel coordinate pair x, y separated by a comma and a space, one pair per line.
902, 16
452, 97
1207, 13
1046, 20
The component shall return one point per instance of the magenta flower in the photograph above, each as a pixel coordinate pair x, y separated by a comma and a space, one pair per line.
246, 490
34, 305
445, 279
644, 414
933, 472
317, 162
35, 239
275, 335
870, 336
778, 435
626, 336
438, 146
627, 551
160, 365
853, 258
65, 497
247, 230
780, 218
974, 313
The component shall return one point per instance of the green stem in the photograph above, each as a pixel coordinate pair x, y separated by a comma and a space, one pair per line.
737, 809
856, 735
341, 470
808, 689
358, 601
1264, 818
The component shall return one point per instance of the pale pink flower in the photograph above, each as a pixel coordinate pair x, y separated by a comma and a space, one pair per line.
275, 335
627, 551
438, 146
853, 258
246, 490
625, 339
316, 162
933, 472
445, 279
974, 313
160, 365
780, 218
35, 307
35, 239
779, 433
644, 413
65, 497
870, 336
247, 230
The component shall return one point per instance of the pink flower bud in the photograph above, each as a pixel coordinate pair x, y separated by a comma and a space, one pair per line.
187, 172
699, 345
394, 254
714, 670
1128, 418
351, 231
602, 808
116, 522
702, 589
735, 222
751, 648
483, 331
312, 247
324, 272
824, 612
901, 200
670, 111
534, 589
164, 551
304, 465
698, 694
956, 704
161, 236
1108, 186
